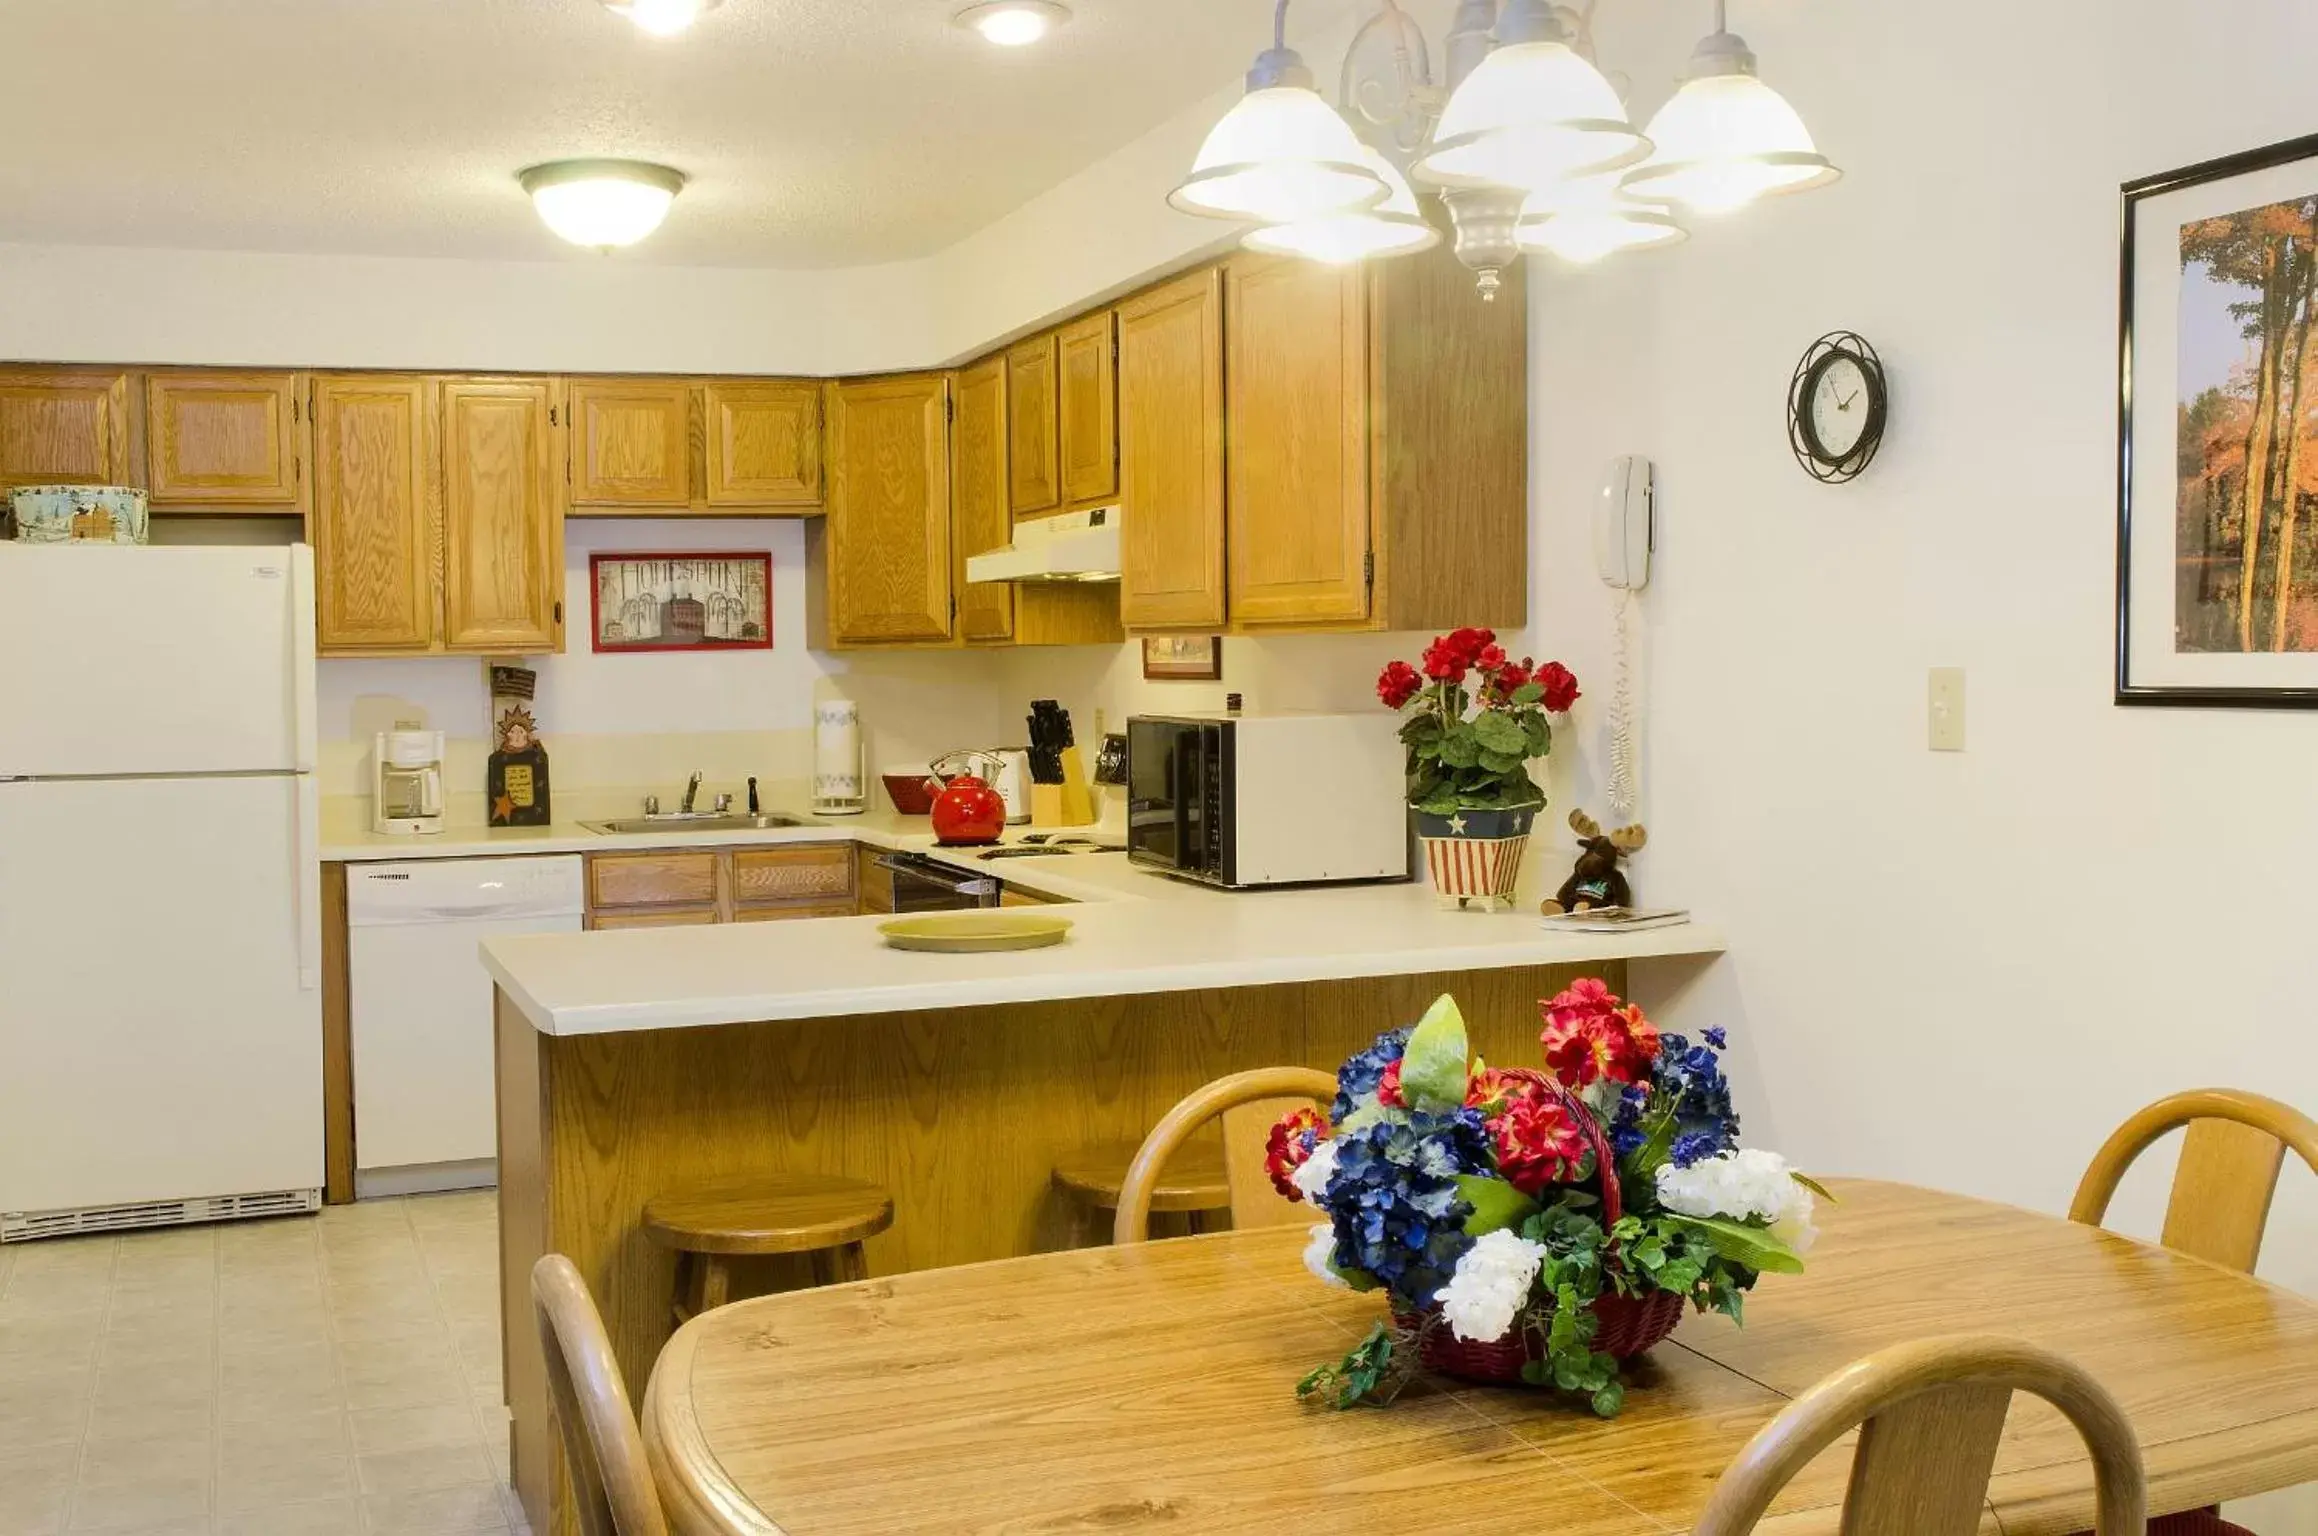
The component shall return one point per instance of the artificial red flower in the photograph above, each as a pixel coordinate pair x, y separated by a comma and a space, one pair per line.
1388, 1086
1398, 683
1560, 685
1591, 1034
1537, 1140
1468, 643
1445, 664
1290, 1146
1491, 658
1514, 674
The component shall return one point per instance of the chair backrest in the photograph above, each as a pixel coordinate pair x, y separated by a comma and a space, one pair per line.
1250, 1103
2227, 1175
606, 1454
1933, 1412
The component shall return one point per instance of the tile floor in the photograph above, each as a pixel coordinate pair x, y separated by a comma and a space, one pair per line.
319, 1376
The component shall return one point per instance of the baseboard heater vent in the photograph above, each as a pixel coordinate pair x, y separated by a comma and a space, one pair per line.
27, 1226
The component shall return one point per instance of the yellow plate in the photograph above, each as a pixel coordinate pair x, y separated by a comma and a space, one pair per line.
974, 933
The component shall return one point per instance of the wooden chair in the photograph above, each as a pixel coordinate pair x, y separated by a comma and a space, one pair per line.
1249, 1102
600, 1441
2227, 1176
1932, 1413
713, 1222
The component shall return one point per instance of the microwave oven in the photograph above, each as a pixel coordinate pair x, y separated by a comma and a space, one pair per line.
1241, 800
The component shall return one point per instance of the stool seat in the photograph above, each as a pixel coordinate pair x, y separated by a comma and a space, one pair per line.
767, 1213
1193, 1179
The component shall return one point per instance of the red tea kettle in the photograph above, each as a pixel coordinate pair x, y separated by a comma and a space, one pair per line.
968, 812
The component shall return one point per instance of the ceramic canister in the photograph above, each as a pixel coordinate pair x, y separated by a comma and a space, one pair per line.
78, 514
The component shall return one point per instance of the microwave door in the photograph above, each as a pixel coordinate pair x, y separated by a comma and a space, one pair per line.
1154, 795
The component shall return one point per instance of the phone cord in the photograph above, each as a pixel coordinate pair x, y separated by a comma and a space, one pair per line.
1623, 790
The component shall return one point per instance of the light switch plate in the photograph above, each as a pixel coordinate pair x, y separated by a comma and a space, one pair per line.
1946, 701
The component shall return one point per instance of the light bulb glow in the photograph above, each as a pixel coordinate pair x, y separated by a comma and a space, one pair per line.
1528, 116
602, 203
1393, 228
1013, 23
1281, 155
1725, 140
662, 18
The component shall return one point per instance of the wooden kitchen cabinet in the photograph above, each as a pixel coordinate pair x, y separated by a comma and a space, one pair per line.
654, 879
64, 426
1171, 465
693, 886
374, 518
1033, 428
224, 442
763, 442
1089, 413
630, 443
978, 491
885, 544
502, 515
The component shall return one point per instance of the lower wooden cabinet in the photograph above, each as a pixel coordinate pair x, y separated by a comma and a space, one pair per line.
683, 887
224, 442
872, 881
64, 426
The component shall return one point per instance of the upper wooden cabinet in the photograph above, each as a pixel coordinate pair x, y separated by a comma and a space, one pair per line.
630, 443
374, 516
1033, 431
64, 426
502, 515
223, 441
764, 442
1090, 409
888, 530
1171, 467
1297, 441
978, 498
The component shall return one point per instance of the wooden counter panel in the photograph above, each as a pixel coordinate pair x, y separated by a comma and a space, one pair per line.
958, 1113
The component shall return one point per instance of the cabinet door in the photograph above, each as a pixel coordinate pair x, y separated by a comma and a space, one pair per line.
374, 517
764, 443
63, 426
226, 440
1090, 410
978, 492
1298, 441
1171, 455
889, 510
1033, 453
630, 442
502, 515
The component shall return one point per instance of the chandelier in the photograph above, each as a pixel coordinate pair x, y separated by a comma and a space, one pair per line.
1524, 139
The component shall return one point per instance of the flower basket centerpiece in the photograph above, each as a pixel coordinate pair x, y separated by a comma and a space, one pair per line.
1535, 1226
1476, 719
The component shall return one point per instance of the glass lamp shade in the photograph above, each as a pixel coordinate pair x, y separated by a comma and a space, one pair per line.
1392, 228
662, 18
1725, 140
1590, 218
1281, 155
1528, 116
602, 203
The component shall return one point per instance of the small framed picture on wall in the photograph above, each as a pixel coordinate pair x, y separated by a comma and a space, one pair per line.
685, 601
1183, 658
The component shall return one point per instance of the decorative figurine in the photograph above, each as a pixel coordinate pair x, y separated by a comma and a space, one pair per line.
1597, 881
515, 787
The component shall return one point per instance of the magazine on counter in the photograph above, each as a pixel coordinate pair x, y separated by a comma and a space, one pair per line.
1617, 919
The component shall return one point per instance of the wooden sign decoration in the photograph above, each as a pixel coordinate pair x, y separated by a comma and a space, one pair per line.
681, 601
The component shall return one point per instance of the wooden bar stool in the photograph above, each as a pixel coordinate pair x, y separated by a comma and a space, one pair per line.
711, 1223
1192, 1185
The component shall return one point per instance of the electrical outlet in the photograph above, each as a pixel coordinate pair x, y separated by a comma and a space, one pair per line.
1946, 702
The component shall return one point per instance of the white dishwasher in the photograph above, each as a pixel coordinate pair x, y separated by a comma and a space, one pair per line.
424, 1065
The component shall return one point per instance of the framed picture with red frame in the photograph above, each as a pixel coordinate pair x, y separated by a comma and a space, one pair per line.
681, 600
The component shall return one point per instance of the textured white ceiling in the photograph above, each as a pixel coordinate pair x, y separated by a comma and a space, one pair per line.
817, 132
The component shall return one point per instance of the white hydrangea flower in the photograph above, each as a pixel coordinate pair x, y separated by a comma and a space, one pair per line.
1312, 1176
1747, 1185
1319, 1250
1490, 1284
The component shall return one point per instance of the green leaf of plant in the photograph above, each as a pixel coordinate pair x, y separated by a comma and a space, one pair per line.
1496, 1204
1539, 734
1610, 1399
1460, 749
1499, 732
1432, 1070
1529, 693
1813, 1185
1502, 762
1753, 1247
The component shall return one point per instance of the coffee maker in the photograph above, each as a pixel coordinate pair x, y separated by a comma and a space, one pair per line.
406, 783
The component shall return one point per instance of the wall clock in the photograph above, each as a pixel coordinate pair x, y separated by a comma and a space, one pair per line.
1836, 407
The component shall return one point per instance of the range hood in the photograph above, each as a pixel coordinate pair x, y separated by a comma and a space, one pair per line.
1071, 546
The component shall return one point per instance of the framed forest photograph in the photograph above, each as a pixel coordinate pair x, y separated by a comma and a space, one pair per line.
2217, 535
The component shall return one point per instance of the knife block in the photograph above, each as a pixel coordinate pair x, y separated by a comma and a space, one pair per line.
1068, 804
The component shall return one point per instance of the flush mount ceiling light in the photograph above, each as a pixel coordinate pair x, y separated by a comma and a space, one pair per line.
1013, 23
1281, 155
662, 18
1726, 138
602, 203
1590, 218
1534, 113
1392, 228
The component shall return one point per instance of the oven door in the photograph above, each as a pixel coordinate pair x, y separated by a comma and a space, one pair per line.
921, 885
1170, 789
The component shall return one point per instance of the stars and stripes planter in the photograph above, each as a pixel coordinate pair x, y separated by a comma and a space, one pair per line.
1475, 856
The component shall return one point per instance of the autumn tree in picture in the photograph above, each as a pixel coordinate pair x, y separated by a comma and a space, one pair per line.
2246, 519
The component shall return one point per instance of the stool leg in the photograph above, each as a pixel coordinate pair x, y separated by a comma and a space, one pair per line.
681, 1308
715, 1280
836, 1266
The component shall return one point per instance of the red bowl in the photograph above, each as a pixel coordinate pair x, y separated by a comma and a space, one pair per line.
912, 794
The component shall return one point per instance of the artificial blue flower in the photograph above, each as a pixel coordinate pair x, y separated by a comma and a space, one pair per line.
1713, 1035
1358, 1077
1394, 1204
1694, 1147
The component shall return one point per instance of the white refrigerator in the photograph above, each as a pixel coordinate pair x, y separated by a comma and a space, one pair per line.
160, 894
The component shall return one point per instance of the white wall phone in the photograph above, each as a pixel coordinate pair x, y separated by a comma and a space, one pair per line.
1625, 533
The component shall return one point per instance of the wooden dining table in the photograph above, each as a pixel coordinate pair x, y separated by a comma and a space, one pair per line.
1151, 1387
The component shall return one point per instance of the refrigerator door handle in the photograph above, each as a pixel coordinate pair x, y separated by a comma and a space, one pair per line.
302, 652
306, 882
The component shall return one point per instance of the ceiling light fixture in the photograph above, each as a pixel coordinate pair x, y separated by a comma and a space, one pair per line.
1726, 138
602, 203
1393, 228
1590, 218
1013, 23
1281, 155
662, 18
1534, 113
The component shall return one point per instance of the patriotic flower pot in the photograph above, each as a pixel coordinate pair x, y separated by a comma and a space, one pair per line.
1474, 856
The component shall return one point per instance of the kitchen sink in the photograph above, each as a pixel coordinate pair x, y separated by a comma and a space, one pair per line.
697, 821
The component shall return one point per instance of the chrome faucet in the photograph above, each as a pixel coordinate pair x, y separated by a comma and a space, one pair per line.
691, 793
